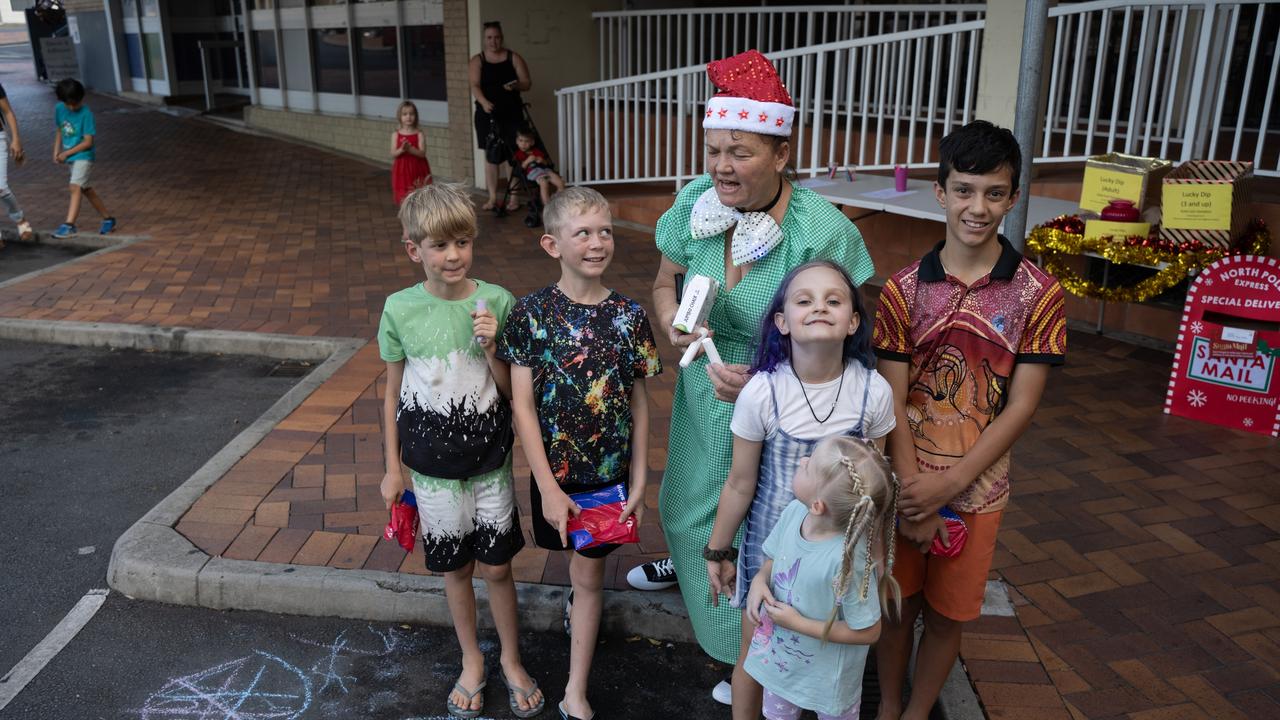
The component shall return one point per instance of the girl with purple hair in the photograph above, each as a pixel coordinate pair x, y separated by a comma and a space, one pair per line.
813, 377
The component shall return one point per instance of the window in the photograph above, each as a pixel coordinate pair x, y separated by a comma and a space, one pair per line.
332, 62
264, 52
133, 48
296, 60
424, 61
316, 3
155, 55
376, 58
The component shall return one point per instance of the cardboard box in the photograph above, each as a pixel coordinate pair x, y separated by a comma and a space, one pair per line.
695, 305
1116, 176
1207, 201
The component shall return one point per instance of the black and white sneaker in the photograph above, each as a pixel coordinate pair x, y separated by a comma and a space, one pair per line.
655, 575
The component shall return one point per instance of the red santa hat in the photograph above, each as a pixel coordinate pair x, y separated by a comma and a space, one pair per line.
750, 96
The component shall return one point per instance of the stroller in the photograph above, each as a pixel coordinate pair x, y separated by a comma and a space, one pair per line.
520, 182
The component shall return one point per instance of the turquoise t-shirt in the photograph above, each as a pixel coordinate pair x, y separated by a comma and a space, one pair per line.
453, 421
73, 125
825, 678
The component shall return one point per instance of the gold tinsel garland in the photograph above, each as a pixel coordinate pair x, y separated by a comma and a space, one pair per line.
1055, 239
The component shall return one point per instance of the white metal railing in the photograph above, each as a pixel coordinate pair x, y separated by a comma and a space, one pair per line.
873, 102
636, 42
1165, 78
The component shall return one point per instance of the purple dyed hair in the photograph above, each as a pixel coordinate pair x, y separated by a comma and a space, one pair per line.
774, 347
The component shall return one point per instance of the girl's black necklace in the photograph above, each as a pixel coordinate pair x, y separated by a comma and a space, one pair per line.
835, 400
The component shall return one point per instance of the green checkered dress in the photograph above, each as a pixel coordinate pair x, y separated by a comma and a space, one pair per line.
700, 447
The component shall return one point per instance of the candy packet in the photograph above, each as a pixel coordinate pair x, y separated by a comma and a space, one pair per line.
403, 526
598, 524
957, 533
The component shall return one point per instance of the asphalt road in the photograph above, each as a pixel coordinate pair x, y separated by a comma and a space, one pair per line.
21, 258
147, 661
90, 440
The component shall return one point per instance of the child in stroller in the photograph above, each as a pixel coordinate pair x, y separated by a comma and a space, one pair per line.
531, 167
534, 164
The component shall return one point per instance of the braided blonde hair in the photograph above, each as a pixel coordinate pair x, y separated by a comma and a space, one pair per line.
861, 492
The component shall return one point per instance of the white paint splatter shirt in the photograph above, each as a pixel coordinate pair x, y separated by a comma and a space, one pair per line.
453, 422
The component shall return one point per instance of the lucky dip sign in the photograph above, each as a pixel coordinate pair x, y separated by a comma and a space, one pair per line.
1226, 369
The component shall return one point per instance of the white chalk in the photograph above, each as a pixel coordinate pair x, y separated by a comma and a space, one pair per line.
481, 306
691, 352
713, 357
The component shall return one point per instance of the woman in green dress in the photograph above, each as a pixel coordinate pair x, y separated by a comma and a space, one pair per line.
746, 225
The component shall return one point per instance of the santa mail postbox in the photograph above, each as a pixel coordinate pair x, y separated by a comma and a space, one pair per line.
1226, 369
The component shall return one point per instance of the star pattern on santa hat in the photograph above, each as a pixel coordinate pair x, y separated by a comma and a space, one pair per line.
709, 111
749, 94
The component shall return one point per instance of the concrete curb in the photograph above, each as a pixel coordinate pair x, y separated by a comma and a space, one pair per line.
179, 339
958, 701
92, 241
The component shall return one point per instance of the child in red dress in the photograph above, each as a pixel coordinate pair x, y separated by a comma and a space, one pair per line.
409, 169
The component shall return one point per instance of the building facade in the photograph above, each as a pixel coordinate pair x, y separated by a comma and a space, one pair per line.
332, 72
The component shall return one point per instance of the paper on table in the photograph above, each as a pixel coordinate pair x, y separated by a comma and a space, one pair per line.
818, 182
887, 194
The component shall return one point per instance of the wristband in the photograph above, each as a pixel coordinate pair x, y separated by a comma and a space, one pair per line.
729, 553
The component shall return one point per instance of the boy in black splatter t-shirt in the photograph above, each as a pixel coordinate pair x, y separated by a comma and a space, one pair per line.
579, 355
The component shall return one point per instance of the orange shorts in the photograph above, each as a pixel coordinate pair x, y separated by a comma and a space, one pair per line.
952, 586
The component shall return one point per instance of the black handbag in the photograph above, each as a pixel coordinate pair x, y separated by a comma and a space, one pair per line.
496, 151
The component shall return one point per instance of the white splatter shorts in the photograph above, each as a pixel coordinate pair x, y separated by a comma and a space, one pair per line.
465, 520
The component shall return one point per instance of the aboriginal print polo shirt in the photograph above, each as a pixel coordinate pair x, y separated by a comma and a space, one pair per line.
962, 343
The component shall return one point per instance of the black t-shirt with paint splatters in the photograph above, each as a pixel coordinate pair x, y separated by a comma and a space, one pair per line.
585, 360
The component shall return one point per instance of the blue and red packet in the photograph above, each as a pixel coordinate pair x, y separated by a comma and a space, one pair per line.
403, 526
598, 524
957, 533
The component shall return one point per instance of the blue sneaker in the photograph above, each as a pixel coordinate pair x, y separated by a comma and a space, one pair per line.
65, 230
108, 226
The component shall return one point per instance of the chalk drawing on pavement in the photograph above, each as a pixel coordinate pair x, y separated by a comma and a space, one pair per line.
265, 686
260, 686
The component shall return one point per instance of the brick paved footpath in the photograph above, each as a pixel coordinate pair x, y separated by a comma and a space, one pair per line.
1142, 551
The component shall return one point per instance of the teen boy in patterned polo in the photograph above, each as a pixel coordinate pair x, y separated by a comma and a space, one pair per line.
965, 337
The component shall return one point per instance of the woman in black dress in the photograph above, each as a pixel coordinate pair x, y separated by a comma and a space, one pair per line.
498, 75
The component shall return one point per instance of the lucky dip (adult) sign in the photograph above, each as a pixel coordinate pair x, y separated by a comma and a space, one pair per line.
1226, 369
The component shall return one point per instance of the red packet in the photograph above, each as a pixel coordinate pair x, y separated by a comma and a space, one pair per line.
597, 524
404, 521
957, 533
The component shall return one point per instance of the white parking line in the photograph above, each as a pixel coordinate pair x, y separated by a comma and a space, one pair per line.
31, 665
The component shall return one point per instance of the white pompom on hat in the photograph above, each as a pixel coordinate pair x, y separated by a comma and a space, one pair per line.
750, 96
